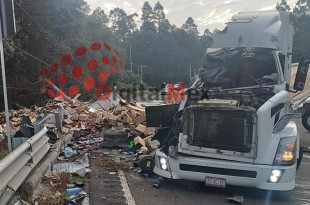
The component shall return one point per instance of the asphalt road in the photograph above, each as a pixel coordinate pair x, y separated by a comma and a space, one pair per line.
185, 193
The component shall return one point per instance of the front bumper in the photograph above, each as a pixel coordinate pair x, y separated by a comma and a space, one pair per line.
235, 173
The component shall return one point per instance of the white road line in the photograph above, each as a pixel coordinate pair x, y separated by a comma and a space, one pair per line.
306, 156
129, 199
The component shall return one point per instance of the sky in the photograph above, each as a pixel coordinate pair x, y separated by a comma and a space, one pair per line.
209, 14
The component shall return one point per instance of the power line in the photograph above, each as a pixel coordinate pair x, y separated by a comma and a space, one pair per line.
38, 59
45, 30
67, 49
16, 88
41, 60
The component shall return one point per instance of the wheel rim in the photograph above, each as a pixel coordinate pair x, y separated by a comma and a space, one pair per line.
308, 120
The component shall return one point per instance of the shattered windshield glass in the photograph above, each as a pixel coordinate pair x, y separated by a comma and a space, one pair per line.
238, 67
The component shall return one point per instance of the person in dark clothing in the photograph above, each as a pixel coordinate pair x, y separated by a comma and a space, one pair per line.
163, 85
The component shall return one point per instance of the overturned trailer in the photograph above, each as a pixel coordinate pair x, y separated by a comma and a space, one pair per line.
235, 125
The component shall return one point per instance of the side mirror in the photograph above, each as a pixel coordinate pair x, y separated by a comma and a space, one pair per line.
301, 75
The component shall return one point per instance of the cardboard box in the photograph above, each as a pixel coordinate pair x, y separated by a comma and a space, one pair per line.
92, 115
133, 117
65, 130
105, 113
76, 104
127, 119
120, 126
141, 128
149, 131
124, 112
140, 119
15, 119
75, 117
68, 121
112, 120
92, 121
70, 110
100, 120
81, 108
143, 150
83, 117
134, 113
119, 109
132, 127
139, 141
69, 126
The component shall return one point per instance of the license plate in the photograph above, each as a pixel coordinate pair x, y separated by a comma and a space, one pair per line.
215, 182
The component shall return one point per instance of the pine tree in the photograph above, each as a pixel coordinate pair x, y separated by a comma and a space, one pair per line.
283, 6
301, 18
123, 25
147, 18
162, 24
190, 27
206, 38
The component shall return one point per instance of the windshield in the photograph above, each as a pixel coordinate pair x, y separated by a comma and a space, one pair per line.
238, 67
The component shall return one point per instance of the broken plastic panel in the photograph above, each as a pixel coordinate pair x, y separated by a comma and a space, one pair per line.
160, 116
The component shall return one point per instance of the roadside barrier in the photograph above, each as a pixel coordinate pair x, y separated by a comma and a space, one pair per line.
15, 167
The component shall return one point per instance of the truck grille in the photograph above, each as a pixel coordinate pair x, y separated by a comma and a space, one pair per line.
224, 128
221, 171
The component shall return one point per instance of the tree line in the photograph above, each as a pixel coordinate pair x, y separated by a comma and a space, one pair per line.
46, 30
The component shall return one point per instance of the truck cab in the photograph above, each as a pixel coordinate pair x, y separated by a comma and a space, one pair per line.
235, 125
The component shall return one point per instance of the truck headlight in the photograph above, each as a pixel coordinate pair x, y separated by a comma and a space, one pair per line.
275, 176
286, 153
163, 163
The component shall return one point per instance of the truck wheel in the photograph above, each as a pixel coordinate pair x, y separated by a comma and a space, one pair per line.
301, 153
146, 163
306, 121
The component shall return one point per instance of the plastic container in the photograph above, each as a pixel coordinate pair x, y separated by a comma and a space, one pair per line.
73, 191
70, 186
68, 152
106, 153
122, 158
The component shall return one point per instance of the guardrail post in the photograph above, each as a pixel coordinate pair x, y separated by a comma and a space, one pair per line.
58, 121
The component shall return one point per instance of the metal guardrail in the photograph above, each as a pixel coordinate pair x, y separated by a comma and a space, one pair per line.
15, 167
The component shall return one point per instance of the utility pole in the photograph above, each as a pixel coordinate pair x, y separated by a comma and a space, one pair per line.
5, 95
7, 29
190, 73
141, 72
130, 57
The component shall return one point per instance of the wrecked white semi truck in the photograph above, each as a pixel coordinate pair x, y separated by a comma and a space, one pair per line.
235, 125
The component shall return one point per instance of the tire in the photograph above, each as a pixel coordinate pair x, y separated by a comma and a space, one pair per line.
115, 133
306, 120
115, 139
146, 163
301, 153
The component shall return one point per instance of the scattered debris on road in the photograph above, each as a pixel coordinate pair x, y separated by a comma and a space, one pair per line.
52, 189
21, 202
79, 166
238, 199
95, 127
